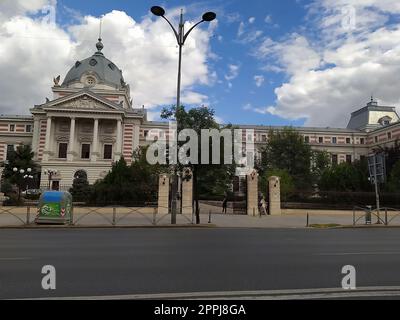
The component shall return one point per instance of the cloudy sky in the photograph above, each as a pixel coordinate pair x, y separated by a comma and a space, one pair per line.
287, 62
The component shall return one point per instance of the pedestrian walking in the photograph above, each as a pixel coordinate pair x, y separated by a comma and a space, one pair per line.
263, 204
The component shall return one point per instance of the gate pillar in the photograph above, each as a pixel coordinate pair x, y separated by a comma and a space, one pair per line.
252, 194
187, 192
163, 194
274, 196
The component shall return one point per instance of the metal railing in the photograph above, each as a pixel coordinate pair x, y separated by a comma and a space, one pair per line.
381, 215
108, 215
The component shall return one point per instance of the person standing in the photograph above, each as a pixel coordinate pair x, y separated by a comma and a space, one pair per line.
225, 204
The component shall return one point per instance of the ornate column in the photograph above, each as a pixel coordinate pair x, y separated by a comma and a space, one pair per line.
35, 136
118, 151
95, 151
47, 145
71, 144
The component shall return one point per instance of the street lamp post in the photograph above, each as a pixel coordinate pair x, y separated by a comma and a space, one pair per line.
181, 37
24, 176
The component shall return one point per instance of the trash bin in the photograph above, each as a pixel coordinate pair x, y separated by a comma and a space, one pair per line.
368, 215
54, 208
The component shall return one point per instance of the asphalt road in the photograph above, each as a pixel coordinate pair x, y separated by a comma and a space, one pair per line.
98, 262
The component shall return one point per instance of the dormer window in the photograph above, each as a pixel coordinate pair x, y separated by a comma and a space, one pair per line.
385, 121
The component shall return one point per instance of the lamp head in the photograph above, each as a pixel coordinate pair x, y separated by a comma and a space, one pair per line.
15, 169
209, 16
157, 11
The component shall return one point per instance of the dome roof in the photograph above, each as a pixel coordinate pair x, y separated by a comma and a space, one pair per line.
98, 65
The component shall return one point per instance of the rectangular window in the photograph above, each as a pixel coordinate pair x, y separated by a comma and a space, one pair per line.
146, 133
334, 140
376, 139
10, 150
320, 140
62, 150
12, 127
307, 139
348, 158
334, 159
348, 140
362, 141
389, 135
264, 138
28, 128
108, 151
85, 151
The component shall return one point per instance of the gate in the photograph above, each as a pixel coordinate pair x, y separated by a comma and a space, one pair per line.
240, 195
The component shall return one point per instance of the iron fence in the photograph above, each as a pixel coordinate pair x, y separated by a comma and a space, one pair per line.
99, 216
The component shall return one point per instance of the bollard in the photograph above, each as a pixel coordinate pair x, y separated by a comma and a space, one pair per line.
154, 216
354, 217
308, 220
114, 215
71, 220
209, 217
386, 217
28, 214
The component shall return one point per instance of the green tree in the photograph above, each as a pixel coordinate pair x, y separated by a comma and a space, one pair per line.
21, 158
346, 177
206, 178
286, 150
81, 190
287, 183
393, 184
134, 184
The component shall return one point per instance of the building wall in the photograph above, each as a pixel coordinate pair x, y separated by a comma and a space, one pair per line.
339, 142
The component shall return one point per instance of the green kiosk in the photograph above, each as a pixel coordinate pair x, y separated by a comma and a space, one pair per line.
55, 207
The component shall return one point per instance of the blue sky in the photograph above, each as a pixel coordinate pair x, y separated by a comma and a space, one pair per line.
288, 62
284, 17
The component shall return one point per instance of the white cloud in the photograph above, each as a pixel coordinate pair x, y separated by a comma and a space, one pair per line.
330, 77
252, 20
241, 29
31, 54
233, 72
259, 80
268, 19
247, 107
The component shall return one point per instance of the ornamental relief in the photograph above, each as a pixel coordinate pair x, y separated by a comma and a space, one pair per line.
83, 103
62, 138
107, 139
85, 139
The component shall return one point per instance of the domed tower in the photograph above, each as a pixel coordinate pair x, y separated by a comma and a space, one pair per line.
97, 74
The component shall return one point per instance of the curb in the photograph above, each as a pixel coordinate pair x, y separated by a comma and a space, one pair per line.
65, 227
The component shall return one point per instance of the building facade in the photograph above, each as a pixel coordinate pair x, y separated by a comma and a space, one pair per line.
89, 123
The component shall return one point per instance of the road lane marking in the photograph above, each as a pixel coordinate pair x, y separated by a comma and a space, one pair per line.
15, 259
357, 253
298, 294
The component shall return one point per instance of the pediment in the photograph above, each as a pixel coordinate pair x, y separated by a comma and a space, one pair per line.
84, 102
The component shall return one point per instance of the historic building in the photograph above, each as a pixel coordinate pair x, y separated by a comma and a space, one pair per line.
90, 122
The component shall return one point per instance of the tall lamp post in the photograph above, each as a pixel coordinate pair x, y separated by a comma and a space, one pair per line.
181, 37
26, 176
